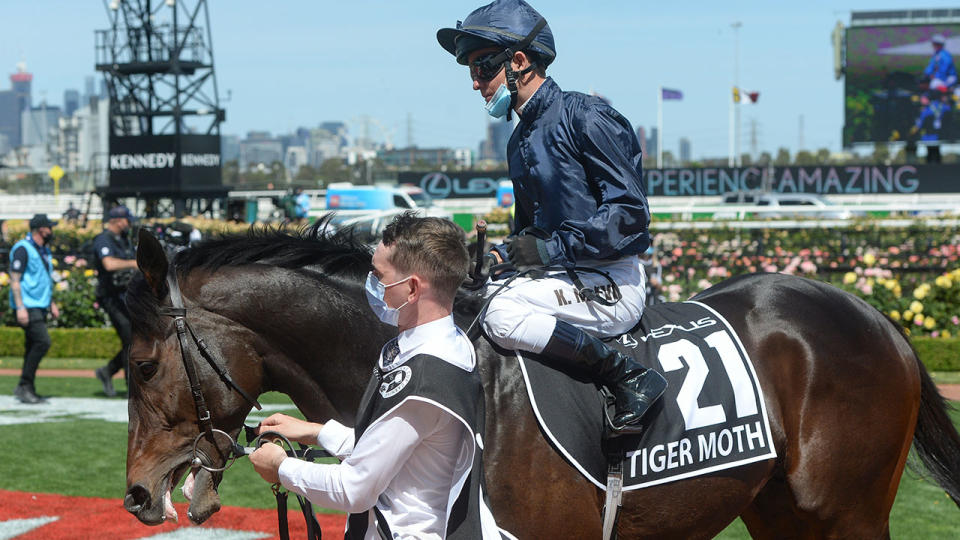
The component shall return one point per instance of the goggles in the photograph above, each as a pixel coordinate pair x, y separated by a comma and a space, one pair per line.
483, 69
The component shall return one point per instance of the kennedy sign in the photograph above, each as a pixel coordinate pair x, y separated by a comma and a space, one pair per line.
824, 179
156, 165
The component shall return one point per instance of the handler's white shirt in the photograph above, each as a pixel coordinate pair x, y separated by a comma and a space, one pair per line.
408, 462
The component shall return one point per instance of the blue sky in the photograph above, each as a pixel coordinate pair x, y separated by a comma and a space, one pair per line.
299, 62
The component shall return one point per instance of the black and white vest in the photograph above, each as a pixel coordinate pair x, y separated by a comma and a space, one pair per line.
457, 391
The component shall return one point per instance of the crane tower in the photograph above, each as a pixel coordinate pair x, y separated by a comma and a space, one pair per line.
165, 113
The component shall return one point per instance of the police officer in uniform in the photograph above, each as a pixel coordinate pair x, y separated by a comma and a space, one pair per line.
580, 201
412, 464
116, 262
31, 296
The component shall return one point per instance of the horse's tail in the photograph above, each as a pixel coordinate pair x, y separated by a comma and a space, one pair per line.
935, 439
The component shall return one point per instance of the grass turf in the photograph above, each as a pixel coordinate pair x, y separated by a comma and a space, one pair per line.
87, 458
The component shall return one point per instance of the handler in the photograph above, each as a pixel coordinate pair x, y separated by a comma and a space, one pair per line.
412, 464
580, 201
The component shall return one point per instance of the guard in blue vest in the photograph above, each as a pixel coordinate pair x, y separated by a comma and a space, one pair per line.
31, 297
580, 201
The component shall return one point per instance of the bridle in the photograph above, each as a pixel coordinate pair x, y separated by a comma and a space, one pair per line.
179, 313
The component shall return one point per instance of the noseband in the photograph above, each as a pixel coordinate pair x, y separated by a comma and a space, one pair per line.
179, 313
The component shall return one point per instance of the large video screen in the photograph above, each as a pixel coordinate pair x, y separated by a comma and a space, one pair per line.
901, 84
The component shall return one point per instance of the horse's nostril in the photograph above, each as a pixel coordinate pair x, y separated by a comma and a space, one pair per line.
137, 497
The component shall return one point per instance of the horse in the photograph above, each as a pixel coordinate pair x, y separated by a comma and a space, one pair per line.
285, 311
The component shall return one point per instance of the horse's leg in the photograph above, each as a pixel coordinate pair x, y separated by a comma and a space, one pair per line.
533, 491
847, 437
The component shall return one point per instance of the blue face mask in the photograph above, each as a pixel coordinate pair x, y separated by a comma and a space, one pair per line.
499, 104
375, 291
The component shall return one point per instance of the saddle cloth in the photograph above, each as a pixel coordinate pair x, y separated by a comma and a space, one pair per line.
712, 416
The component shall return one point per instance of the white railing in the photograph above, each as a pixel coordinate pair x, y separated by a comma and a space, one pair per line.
25, 206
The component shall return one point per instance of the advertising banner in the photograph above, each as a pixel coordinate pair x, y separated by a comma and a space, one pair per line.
456, 185
822, 179
901, 83
714, 181
152, 164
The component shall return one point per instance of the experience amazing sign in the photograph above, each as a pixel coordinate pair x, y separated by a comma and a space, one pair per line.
839, 179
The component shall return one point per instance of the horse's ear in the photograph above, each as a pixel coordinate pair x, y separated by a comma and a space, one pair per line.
152, 261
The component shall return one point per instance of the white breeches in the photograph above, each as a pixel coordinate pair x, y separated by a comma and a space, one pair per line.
522, 316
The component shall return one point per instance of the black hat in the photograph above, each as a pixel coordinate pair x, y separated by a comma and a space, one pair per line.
120, 212
41, 220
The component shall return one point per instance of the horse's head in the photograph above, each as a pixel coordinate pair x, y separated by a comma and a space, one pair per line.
164, 424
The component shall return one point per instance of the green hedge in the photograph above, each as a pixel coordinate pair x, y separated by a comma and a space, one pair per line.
938, 354
66, 342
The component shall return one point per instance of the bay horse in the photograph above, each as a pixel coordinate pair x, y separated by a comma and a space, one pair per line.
284, 311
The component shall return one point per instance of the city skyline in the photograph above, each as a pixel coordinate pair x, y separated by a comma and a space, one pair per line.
310, 63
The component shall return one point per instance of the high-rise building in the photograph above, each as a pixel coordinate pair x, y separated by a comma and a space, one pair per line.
494, 147
684, 150
21, 81
229, 147
642, 137
88, 86
13, 102
652, 142
38, 125
71, 101
259, 147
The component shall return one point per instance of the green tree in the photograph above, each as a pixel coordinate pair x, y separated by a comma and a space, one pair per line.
804, 158
783, 157
765, 159
823, 156
307, 175
881, 153
334, 170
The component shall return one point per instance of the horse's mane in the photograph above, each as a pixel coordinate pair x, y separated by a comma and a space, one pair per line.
333, 251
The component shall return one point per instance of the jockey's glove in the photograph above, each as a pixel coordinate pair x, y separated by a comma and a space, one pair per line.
528, 250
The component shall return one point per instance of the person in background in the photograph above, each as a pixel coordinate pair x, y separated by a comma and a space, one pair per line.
303, 204
116, 262
31, 298
72, 213
654, 272
941, 72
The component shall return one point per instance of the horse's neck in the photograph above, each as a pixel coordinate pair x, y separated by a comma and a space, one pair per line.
317, 343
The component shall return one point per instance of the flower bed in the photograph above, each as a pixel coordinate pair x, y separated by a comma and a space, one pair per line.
911, 274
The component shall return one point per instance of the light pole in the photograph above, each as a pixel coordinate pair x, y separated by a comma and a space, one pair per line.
734, 160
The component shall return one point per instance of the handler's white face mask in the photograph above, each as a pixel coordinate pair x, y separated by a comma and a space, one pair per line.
375, 292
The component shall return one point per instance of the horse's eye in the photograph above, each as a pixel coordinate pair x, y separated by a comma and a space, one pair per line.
147, 369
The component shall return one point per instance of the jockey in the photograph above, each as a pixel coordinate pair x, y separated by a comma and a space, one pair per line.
580, 201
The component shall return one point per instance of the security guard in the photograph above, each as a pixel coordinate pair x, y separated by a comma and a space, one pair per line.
580, 201
31, 296
116, 262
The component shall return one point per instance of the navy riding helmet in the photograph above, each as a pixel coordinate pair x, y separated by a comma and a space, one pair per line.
503, 23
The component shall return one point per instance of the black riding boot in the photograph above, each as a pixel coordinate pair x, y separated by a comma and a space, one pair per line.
635, 387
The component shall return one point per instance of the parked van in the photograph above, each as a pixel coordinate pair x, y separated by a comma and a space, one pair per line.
368, 209
346, 196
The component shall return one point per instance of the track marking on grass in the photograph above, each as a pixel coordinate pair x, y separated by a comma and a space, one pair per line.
66, 409
15, 527
43, 516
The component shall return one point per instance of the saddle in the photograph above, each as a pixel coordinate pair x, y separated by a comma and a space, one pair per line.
712, 416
